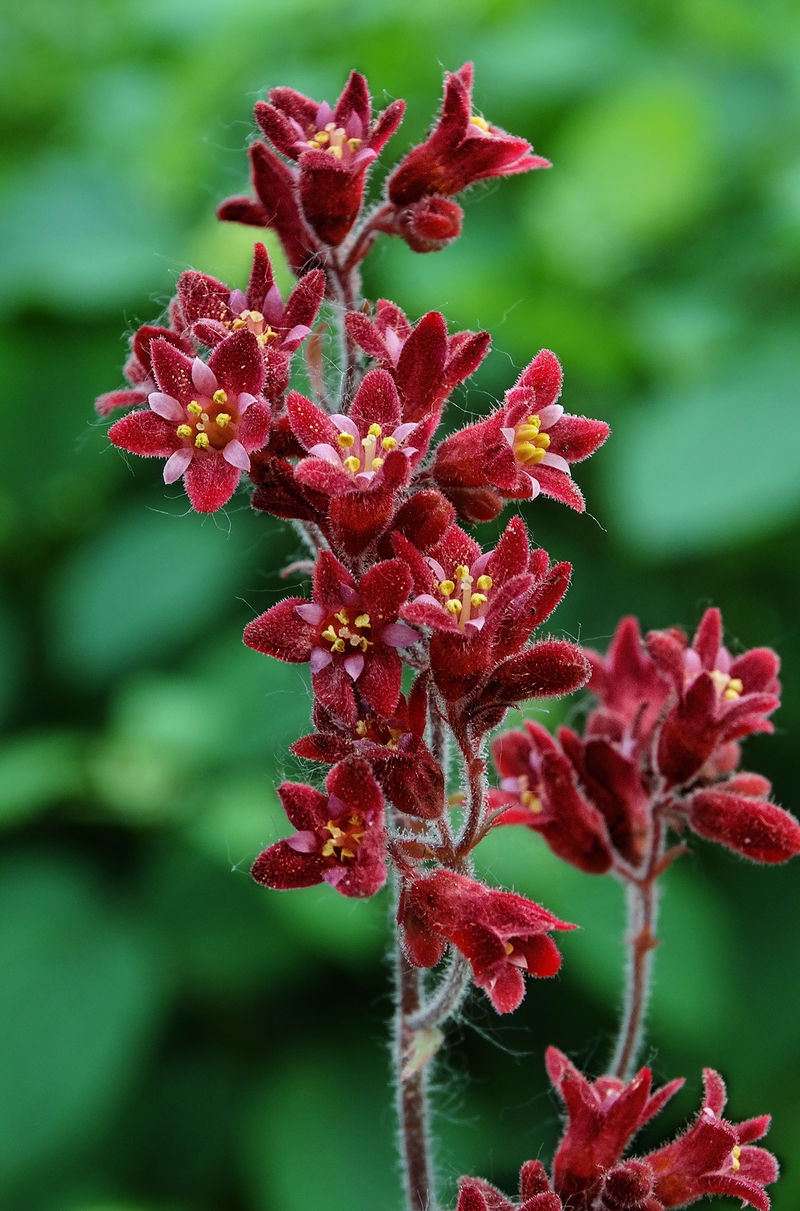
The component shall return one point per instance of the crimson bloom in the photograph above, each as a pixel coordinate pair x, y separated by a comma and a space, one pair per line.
340, 837
500, 933
204, 419
524, 448
535, 1193
462, 148
348, 633
333, 148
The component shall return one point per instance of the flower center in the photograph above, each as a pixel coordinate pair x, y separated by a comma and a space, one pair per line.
208, 424
480, 122
378, 731
530, 445
527, 797
345, 838
254, 322
359, 453
334, 140
465, 598
346, 634
727, 687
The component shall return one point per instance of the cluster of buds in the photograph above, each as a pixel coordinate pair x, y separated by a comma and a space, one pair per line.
398, 585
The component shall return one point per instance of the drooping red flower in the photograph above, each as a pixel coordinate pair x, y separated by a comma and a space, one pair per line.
340, 837
523, 449
719, 698
348, 633
425, 363
333, 148
630, 688
462, 148
503, 935
212, 312
204, 419
737, 813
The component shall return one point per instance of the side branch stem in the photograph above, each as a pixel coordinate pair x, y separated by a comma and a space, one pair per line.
412, 1093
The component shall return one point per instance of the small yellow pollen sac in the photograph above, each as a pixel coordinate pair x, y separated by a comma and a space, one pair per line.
484, 583
461, 572
477, 600
737, 1152
354, 144
321, 137
345, 440
336, 152
374, 431
361, 727
446, 587
734, 689
526, 432
481, 123
342, 617
509, 948
362, 621
194, 408
223, 419
352, 464
184, 430
220, 397
526, 452
329, 634
376, 464
338, 646
453, 606
238, 323
201, 441
257, 318
389, 443
531, 801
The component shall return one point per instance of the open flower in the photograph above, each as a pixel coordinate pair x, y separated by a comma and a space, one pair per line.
204, 419
523, 449
348, 633
462, 148
503, 935
340, 837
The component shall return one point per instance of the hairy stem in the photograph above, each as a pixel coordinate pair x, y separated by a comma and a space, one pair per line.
412, 1093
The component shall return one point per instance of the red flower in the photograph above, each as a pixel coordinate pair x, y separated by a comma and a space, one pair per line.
737, 813
535, 1193
719, 698
340, 836
349, 634
425, 363
333, 148
462, 148
211, 311
500, 933
204, 419
524, 448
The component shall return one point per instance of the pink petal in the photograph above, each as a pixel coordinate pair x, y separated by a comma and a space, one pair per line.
557, 462
549, 415
398, 635
205, 380
166, 406
319, 659
235, 454
354, 666
326, 452
304, 842
176, 464
244, 401
310, 612
345, 425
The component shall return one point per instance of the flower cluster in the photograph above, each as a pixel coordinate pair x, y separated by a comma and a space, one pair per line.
418, 637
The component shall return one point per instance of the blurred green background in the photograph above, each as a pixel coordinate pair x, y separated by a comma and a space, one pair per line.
174, 1038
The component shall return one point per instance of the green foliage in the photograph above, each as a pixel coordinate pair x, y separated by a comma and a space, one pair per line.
176, 1039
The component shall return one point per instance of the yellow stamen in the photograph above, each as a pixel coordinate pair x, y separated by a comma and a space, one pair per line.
484, 583
362, 621
352, 464
481, 123
376, 464
374, 430
737, 1152
453, 606
389, 443
342, 617
238, 324
446, 587
194, 408
220, 397
734, 689
509, 948
223, 419
461, 572
345, 440
364, 643
531, 801
526, 452
201, 441
526, 432
354, 144
361, 728
478, 599
542, 441
321, 137
338, 646
336, 152
256, 316
184, 430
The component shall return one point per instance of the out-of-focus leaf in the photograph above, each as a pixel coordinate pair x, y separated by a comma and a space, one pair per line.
37, 769
80, 995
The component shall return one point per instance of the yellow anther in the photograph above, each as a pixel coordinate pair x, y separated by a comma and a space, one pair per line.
446, 588
184, 430
338, 646
534, 420
542, 441
256, 316
361, 728
223, 419
526, 452
531, 801
354, 144
737, 1152
336, 152
345, 440
322, 136
342, 617
220, 397
526, 432
453, 606
194, 408
352, 464
312, 143
201, 441
329, 634
374, 430
509, 948
376, 464
362, 621
481, 123
363, 643
478, 599
484, 583
238, 324
734, 689
389, 443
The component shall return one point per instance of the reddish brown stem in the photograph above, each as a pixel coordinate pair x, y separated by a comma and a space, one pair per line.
412, 1094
